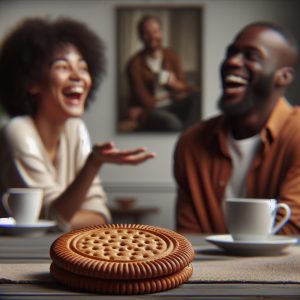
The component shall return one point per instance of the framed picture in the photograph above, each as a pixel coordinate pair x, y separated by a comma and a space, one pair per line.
158, 68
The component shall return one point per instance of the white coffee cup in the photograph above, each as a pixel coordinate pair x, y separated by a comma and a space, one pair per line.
23, 204
254, 219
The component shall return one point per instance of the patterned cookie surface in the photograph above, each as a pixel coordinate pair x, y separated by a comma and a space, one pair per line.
122, 251
121, 287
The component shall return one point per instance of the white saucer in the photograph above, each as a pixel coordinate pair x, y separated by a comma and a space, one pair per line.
38, 228
273, 245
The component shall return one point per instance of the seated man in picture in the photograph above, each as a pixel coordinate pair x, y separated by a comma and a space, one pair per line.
253, 148
157, 85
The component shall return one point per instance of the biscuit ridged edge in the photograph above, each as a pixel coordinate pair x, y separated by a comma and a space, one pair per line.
121, 287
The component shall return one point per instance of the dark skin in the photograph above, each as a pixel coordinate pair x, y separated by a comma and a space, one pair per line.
55, 107
257, 69
152, 39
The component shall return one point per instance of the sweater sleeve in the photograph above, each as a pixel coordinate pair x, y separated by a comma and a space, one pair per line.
96, 198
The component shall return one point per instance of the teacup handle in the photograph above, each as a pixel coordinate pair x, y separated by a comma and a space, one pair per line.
5, 204
285, 219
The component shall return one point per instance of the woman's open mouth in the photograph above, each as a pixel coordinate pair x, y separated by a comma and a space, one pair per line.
73, 94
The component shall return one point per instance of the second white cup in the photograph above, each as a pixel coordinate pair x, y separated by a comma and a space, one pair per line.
23, 204
254, 219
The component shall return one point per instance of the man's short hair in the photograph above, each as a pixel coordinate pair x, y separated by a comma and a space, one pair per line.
143, 20
286, 34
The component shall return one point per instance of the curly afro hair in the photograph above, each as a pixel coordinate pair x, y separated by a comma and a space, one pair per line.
30, 45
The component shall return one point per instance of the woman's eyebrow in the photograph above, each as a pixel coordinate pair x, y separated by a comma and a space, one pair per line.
57, 59
65, 59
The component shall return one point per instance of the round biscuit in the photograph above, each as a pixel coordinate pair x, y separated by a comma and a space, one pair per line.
120, 287
116, 251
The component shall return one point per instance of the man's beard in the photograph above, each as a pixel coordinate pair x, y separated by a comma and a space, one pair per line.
236, 109
156, 44
252, 97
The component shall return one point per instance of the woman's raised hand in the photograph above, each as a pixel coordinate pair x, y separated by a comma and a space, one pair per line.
108, 153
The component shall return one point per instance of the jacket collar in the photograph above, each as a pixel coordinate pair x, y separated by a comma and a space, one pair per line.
278, 117
270, 131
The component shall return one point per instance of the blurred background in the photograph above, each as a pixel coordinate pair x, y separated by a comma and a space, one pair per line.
151, 185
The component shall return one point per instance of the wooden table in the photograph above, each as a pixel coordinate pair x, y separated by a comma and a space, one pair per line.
16, 252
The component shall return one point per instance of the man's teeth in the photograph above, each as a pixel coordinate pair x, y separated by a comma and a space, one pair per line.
235, 79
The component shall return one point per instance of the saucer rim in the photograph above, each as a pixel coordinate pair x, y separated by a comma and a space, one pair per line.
42, 223
272, 240
275, 246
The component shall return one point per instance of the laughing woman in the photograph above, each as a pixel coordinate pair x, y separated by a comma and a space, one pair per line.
49, 72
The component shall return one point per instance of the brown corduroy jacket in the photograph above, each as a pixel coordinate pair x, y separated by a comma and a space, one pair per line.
202, 168
142, 80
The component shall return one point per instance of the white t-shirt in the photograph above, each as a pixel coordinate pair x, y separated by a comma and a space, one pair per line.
24, 163
155, 65
242, 153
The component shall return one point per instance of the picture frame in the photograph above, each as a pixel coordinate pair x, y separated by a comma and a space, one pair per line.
181, 31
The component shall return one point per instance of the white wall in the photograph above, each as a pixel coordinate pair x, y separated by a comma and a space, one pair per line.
152, 183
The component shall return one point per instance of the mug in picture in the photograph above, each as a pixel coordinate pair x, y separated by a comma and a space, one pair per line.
23, 204
163, 77
254, 219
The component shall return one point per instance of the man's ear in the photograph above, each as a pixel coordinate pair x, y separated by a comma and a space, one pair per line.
284, 76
